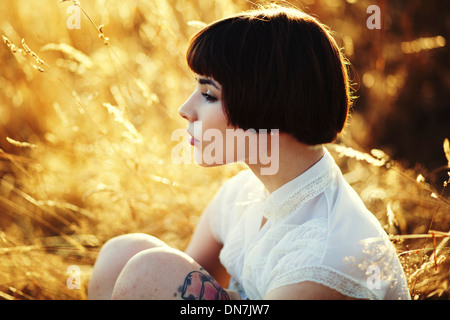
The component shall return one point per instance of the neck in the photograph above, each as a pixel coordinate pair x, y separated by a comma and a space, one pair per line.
294, 159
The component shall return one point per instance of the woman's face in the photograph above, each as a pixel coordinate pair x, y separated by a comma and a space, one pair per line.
207, 122
216, 142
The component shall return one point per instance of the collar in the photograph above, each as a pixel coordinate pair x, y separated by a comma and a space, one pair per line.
283, 201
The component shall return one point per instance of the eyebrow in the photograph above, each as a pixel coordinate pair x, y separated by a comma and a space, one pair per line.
207, 81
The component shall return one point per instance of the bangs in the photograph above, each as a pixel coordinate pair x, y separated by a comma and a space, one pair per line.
205, 54
218, 49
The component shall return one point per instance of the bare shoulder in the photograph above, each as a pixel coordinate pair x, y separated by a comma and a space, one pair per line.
306, 290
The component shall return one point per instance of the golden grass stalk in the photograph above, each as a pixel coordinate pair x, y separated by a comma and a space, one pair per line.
447, 151
10, 45
21, 144
378, 158
25, 51
118, 114
70, 51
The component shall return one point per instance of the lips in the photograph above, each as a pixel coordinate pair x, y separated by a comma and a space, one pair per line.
192, 140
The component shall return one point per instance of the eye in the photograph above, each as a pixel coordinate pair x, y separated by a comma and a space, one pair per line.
208, 97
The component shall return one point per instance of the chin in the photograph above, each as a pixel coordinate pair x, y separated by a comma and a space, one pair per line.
209, 161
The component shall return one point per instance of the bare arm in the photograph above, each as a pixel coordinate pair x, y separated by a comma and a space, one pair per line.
305, 291
205, 249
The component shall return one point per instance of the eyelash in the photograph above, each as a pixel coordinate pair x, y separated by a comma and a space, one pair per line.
209, 98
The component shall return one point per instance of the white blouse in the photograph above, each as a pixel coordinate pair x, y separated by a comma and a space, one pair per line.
317, 229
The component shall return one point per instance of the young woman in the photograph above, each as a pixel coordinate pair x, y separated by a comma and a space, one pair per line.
298, 233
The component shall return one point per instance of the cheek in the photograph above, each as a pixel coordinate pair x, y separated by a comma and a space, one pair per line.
214, 118
214, 149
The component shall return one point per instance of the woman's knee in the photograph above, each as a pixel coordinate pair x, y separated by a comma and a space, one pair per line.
165, 273
113, 256
149, 274
116, 252
132, 242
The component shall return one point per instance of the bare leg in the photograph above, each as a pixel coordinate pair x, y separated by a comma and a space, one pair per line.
113, 257
166, 274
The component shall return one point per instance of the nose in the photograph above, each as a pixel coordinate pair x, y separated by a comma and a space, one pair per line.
187, 110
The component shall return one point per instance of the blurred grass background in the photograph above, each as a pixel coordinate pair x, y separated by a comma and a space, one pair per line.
85, 132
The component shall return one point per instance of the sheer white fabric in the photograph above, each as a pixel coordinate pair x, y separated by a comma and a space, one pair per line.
317, 230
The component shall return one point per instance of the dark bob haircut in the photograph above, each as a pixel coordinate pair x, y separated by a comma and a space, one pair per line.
279, 69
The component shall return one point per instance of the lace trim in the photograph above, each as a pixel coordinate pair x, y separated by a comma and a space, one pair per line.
308, 191
328, 277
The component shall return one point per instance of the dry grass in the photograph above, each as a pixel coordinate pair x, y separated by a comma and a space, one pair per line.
85, 123
413, 213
